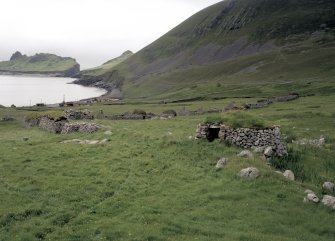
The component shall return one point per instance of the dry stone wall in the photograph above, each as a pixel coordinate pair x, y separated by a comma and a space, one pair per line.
245, 137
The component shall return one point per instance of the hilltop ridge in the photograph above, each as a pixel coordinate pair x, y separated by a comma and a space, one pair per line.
40, 63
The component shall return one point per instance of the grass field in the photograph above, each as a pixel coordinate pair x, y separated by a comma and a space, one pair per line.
149, 184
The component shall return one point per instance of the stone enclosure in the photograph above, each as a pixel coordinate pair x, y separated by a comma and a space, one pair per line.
244, 137
62, 125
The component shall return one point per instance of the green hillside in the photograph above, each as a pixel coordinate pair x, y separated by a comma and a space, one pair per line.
236, 48
40, 64
100, 70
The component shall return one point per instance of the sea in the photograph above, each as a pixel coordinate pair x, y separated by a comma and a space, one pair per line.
30, 90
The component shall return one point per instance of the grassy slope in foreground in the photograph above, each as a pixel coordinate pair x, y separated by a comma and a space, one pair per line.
237, 48
40, 64
147, 185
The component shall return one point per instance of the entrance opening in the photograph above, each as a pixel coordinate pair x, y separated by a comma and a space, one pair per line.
212, 134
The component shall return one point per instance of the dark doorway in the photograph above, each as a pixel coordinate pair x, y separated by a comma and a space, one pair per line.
212, 134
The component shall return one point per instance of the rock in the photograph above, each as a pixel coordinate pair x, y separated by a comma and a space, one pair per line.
328, 186
250, 172
259, 149
268, 151
245, 153
88, 128
289, 175
221, 163
307, 191
329, 201
311, 198
85, 142
71, 141
279, 172
104, 141
108, 133
7, 118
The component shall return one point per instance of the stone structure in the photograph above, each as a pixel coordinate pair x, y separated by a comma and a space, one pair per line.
61, 125
79, 115
269, 138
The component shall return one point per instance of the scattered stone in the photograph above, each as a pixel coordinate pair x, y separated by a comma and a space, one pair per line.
7, 118
108, 133
316, 142
259, 149
168, 134
289, 175
268, 151
279, 172
221, 163
85, 142
311, 198
328, 186
250, 172
104, 141
307, 191
245, 153
329, 201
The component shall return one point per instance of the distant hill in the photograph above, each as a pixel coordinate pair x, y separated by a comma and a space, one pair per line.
107, 66
236, 48
48, 64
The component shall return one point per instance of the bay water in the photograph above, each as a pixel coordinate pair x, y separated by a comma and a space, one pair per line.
30, 90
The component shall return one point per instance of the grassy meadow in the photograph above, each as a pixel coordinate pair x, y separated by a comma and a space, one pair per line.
153, 181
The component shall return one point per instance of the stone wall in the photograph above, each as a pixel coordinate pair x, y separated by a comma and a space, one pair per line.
61, 125
244, 137
79, 115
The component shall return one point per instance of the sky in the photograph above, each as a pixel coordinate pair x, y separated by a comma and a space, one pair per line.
91, 31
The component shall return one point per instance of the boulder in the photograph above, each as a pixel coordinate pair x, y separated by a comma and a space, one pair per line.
328, 186
245, 153
329, 201
259, 149
221, 163
108, 133
268, 152
289, 175
250, 172
307, 191
89, 128
311, 198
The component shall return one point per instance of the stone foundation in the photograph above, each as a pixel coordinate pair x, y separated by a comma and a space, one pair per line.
244, 137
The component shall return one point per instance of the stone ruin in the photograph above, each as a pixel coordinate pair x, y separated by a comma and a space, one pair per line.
61, 125
79, 115
244, 137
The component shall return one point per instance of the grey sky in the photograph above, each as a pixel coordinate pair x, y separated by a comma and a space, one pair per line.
92, 31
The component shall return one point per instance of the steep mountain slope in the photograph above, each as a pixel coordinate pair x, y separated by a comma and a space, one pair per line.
236, 48
43, 63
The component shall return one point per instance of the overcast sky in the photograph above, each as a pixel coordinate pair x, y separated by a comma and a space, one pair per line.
92, 31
